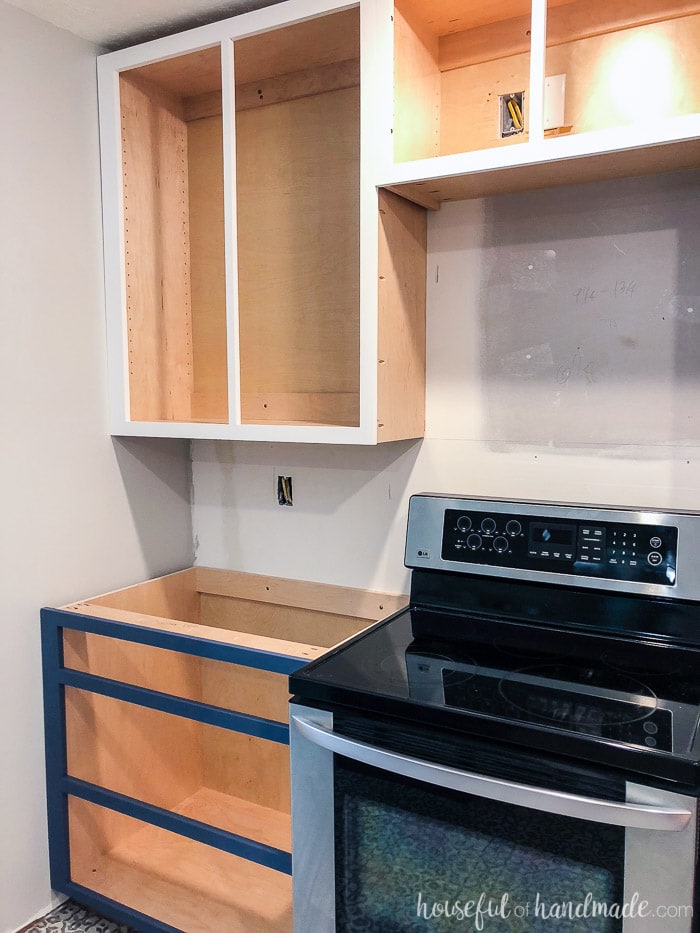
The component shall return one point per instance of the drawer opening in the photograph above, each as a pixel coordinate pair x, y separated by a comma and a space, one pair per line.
289, 617
186, 884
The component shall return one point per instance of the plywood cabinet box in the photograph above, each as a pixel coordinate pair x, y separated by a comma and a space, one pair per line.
167, 743
605, 89
258, 285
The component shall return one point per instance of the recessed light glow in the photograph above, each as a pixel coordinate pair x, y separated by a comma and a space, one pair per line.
641, 79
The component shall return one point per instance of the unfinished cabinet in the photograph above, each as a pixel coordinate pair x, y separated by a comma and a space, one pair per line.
167, 744
258, 286
492, 98
266, 179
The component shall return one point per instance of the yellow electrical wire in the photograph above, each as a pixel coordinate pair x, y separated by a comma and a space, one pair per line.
515, 114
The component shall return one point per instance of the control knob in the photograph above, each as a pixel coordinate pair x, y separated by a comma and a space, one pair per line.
474, 542
500, 544
464, 523
513, 528
488, 525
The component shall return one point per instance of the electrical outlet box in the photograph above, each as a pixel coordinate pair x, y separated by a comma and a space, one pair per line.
284, 490
511, 113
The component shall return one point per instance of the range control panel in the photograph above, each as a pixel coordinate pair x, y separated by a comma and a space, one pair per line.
615, 550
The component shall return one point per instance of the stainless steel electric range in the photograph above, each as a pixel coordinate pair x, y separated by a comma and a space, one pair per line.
517, 750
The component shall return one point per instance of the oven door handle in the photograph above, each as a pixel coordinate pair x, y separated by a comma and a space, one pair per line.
611, 812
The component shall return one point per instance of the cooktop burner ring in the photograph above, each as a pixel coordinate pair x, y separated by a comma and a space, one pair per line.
577, 697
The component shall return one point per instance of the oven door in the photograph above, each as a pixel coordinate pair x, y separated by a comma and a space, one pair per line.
393, 834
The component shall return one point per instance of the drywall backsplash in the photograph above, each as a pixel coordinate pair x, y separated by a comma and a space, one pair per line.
578, 313
563, 364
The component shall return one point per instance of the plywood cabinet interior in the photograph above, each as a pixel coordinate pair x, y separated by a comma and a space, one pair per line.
167, 743
173, 216
242, 229
630, 100
298, 222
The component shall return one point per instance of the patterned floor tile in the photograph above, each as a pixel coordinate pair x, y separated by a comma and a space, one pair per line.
72, 918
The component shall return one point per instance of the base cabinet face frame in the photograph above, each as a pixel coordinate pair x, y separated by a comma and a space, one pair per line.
154, 819
81, 813
224, 321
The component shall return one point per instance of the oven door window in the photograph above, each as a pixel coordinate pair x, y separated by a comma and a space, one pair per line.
413, 857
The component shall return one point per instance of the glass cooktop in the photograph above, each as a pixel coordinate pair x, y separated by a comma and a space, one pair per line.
571, 630
627, 703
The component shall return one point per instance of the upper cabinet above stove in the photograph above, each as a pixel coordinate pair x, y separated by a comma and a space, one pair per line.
265, 180
497, 97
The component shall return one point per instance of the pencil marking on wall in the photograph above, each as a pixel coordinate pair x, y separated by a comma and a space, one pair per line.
579, 368
621, 288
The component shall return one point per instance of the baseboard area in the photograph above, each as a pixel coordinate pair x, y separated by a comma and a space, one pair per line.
55, 902
69, 917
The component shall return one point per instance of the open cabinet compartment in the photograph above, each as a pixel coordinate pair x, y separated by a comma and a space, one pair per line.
606, 65
172, 781
298, 222
621, 64
452, 64
296, 178
609, 90
173, 238
177, 881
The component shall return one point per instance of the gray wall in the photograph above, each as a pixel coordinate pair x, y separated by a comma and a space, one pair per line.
82, 513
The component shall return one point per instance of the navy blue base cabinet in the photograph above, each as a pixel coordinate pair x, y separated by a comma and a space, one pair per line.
167, 744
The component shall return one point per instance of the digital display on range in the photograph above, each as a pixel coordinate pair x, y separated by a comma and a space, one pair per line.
563, 535
644, 553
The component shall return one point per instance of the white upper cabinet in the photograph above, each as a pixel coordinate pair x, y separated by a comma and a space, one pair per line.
495, 97
259, 286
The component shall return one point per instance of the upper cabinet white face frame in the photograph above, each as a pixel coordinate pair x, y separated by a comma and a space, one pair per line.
255, 279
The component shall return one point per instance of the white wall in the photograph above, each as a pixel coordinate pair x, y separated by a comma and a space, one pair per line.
81, 513
563, 364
